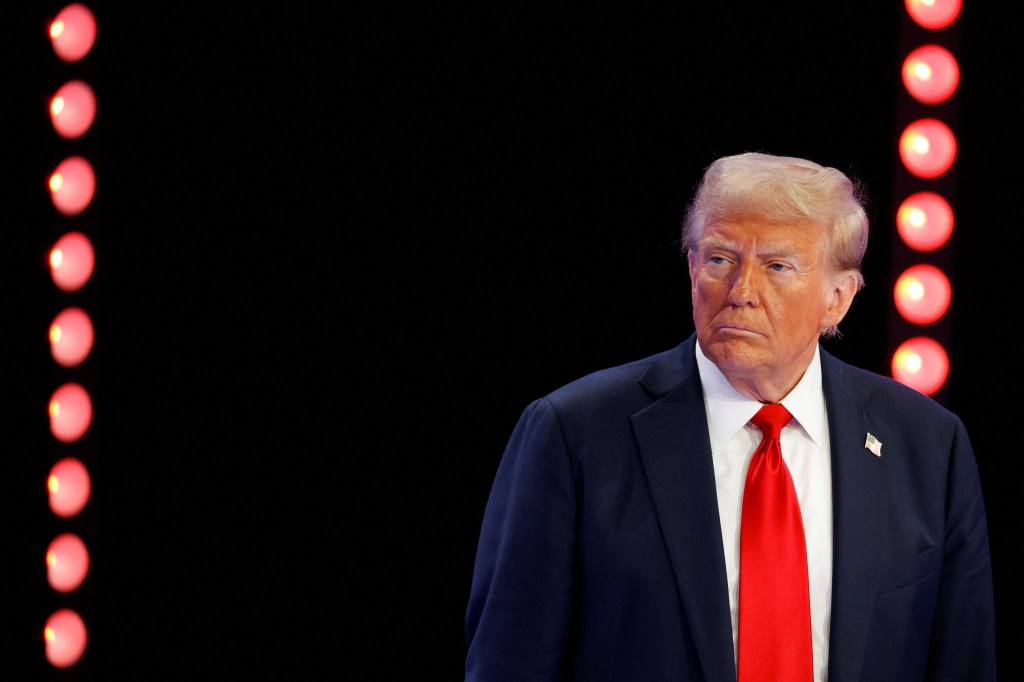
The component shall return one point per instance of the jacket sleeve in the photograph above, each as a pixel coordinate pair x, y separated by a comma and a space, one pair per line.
518, 616
963, 635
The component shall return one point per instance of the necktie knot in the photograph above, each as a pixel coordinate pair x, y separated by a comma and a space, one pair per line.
770, 419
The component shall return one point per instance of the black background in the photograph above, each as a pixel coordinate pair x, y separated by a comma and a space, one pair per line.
338, 251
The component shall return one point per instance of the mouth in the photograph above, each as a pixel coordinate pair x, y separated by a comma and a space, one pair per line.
737, 330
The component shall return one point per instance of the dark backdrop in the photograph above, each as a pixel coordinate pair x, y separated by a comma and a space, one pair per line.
339, 251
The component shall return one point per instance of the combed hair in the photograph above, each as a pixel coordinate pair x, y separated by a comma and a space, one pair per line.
780, 189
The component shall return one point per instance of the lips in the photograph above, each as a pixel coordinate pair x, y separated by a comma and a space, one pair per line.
738, 330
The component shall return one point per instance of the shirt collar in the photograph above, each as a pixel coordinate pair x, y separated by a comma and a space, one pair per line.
728, 410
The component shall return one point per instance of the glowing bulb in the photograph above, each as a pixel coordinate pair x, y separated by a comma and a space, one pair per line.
71, 261
72, 185
931, 74
69, 487
925, 221
927, 148
922, 294
71, 337
922, 364
73, 32
933, 14
70, 410
67, 562
73, 109
65, 636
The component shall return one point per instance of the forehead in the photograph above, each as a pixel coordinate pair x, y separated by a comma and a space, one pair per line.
755, 232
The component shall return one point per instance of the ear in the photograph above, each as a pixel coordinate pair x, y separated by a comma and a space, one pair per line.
839, 298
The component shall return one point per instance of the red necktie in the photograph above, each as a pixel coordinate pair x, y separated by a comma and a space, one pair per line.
775, 605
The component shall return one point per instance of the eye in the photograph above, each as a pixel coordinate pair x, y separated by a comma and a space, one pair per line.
779, 266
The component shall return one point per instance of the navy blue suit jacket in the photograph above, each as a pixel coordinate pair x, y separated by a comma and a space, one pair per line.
601, 557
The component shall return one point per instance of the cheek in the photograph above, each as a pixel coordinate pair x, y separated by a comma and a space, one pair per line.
699, 292
706, 300
790, 304
802, 313
709, 289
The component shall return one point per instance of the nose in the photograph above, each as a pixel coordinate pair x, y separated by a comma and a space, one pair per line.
743, 289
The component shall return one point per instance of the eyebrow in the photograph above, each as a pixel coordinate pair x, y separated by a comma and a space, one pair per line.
783, 247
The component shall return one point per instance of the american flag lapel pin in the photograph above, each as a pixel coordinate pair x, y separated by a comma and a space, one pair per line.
874, 445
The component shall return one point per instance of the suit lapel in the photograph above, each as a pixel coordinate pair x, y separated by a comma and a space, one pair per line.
676, 452
859, 501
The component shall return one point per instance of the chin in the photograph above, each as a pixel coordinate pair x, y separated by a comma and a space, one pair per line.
735, 353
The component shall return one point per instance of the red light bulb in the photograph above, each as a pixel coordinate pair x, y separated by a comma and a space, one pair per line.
71, 337
72, 260
72, 185
925, 221
65, 637
73, 32
927, 148
933, 14
69, 487
931, 74
922, 294
70, 412
922, 364
67, 562
73, 109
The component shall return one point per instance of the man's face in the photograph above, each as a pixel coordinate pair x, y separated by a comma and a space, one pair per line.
762, 293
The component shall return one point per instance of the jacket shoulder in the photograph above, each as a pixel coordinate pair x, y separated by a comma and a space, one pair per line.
879, 392
633, 383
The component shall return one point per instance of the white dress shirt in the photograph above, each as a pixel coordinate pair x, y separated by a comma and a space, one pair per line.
805, 449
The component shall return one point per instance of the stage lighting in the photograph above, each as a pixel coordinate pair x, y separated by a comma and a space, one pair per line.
70, 412
73, 32
72, 185
65, 636
73, 109
921, 363
72, 260
71, 337
69, 487
927, 148
67, 562
934, 15
931, 74
922, 294
925, 221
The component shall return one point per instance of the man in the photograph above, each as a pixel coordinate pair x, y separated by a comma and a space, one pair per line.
610, 547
